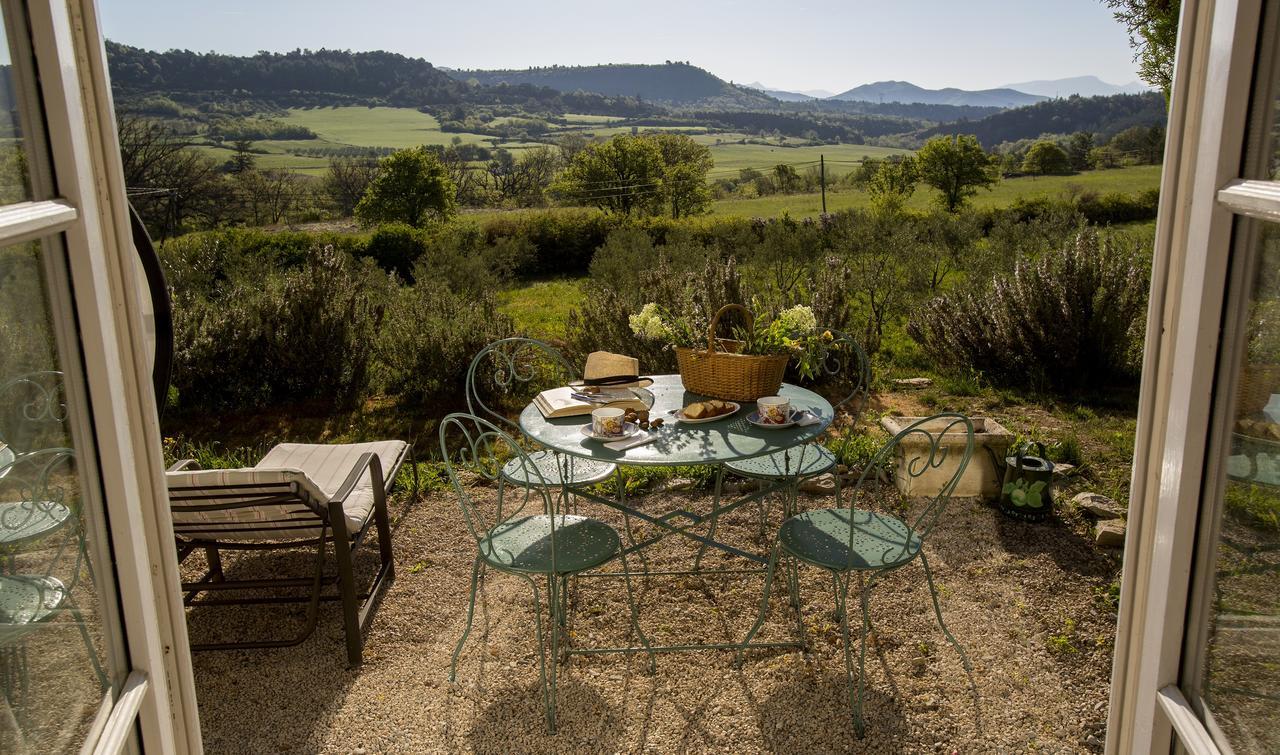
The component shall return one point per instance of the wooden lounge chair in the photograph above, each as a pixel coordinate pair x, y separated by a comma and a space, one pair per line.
298, 495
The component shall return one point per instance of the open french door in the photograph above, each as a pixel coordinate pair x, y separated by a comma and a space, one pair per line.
1197, 665
93, 648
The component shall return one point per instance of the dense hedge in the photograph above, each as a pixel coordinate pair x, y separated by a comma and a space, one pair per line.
273, 319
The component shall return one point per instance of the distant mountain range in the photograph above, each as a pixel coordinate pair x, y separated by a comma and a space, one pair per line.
1085, 86
905, 91
685, 85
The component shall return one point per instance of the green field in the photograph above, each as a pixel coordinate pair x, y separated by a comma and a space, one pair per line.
393, 127
397, 128
541, 308
1124, 180
730, 158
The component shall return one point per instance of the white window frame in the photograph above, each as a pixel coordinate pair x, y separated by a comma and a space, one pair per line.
155, 707
1202, 195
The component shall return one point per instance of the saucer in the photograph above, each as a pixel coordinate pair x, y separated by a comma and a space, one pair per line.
629, 430
792, 419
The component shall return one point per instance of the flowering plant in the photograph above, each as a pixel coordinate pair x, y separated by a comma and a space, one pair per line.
793, 332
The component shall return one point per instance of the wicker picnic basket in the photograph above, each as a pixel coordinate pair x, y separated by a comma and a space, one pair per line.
721, 373
1257, 384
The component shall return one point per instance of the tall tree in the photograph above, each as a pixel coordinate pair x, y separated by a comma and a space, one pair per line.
520, 181
1153, 34
347, 181
242, 158
1045, 158
955, 166
623, 175
169, 183
892, 184
684, 176
1078, 148
412, 187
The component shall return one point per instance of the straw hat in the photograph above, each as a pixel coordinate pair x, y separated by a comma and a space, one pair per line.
613, 371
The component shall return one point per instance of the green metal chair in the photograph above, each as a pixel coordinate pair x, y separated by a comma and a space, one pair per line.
851, 542
526, 538
508, 374
800, 463
33, 413
31, 600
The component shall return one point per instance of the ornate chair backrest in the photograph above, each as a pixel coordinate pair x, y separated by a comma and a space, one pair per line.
848, 360
33, 411
926, 444
509, 373
474, 447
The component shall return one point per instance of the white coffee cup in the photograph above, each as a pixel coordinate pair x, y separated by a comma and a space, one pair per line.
774, 410
607, 421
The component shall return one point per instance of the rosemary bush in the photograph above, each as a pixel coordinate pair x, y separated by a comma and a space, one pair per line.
1070, 320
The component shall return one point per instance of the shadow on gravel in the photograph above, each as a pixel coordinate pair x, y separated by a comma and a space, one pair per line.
514, 722
1072, 552
812, 713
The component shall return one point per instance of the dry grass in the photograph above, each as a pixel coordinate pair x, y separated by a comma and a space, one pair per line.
1022, 598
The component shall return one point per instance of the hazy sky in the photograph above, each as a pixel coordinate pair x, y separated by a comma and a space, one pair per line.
796, 44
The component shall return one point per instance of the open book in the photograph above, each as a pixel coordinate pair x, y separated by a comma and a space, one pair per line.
561, 402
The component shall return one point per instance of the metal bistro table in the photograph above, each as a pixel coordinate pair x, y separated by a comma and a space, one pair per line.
716, 443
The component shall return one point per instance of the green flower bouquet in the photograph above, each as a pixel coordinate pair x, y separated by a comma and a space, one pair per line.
762, 346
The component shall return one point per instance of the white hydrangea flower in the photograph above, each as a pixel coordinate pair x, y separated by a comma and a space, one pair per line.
647, 323
798, 319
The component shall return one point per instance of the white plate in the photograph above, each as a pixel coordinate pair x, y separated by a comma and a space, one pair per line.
754, 418
680, 415
629, 430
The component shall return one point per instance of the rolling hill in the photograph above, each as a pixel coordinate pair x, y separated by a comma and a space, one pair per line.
1104, 116
304, 78
669, 83
906, 92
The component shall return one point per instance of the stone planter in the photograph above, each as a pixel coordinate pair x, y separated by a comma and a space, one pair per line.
980, 478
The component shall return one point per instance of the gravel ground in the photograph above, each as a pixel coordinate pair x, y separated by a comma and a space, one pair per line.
1024, 600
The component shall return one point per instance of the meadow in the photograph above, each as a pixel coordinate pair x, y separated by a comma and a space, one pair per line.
1129, 180
397, 128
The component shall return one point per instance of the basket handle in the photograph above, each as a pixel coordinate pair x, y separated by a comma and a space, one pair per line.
711, 331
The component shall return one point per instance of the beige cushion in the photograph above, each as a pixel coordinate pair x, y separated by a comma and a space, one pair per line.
318, 471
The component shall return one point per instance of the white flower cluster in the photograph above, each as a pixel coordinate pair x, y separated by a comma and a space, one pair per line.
798, 319
648, 323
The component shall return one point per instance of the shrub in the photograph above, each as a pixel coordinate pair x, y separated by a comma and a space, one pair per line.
683, 277
430, 334
197, 264
396, 248
1115, 207
561, 242
1070, 320
281, 337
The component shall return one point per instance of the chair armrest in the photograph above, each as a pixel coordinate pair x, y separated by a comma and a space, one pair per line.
369, 461
184, 466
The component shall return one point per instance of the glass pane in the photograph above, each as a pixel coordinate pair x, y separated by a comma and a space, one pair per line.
55, 609
1241, 674
15, 162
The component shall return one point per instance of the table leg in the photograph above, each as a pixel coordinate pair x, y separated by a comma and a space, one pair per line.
621, 484
715, 515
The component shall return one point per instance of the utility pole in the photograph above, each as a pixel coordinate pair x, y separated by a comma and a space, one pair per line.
822, 178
